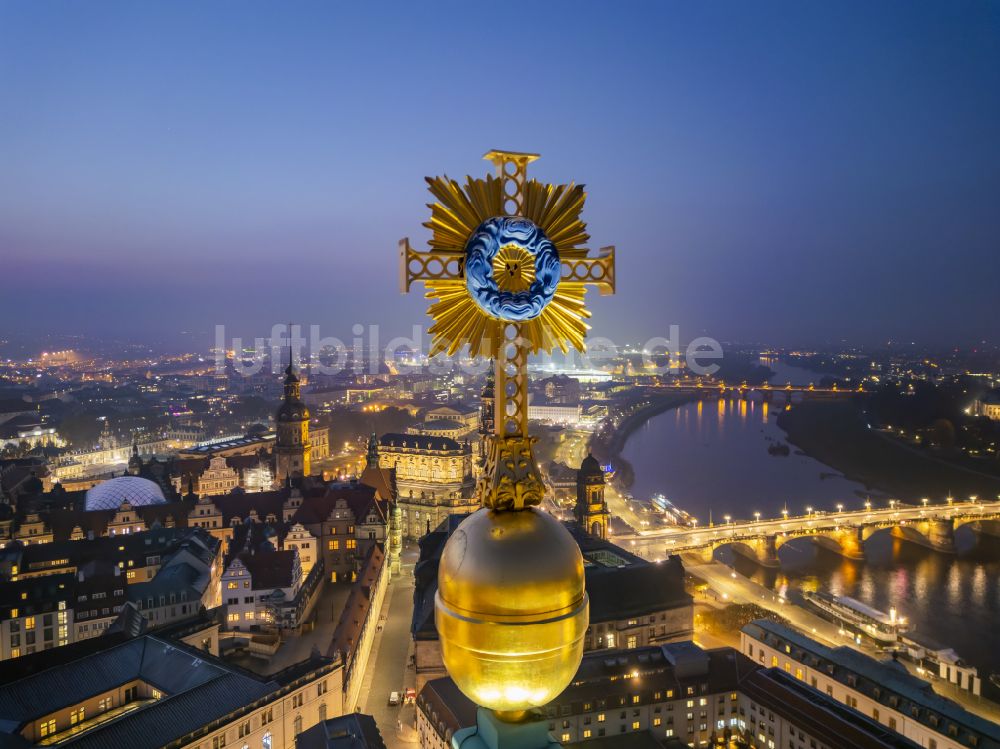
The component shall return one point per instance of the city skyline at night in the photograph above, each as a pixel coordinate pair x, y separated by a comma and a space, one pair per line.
535, 376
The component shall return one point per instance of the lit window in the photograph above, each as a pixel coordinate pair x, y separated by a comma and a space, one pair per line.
48, 727
29, 622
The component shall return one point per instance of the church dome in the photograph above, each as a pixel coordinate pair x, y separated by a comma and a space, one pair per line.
109, 495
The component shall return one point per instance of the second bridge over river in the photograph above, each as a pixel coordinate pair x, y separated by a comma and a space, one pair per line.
844, 532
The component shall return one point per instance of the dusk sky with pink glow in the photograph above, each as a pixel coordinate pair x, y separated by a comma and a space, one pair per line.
783, 172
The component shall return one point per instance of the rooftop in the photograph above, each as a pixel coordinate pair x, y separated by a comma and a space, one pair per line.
418, 442
879, 680
351, 731
197, 689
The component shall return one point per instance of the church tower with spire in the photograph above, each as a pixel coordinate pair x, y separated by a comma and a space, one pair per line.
487, 412
591, 509
292, 449
371, 461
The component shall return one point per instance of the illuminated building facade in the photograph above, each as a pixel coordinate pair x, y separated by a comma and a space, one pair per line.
433, 479
355, 631
882, 691
989, 405
252, 579
467, 416
555, 413
675, 696
62, 592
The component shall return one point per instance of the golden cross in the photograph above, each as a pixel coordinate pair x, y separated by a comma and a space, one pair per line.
510, 479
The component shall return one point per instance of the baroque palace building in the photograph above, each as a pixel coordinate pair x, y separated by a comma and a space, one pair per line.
433, 478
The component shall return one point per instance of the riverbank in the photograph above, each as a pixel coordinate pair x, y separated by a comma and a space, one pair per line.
607, 446
836, 434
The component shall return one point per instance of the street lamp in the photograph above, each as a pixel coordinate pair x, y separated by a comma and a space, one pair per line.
840, 507
868, 505
950, 500
784, 513
809, 511
892, 504
756, 516
925, 501
728, 519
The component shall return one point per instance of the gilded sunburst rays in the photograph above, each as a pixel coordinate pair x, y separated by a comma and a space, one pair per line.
456, 214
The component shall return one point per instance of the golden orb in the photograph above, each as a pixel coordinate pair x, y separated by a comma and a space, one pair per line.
511, 608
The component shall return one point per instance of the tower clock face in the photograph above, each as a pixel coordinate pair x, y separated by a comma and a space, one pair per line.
512, 270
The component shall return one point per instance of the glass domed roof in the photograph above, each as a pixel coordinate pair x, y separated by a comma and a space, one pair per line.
109, 495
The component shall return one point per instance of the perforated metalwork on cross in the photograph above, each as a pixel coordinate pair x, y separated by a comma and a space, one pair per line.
475, 309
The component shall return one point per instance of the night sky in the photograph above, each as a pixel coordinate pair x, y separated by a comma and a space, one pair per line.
793, 172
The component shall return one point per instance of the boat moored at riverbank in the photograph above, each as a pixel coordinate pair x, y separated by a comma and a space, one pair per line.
859, 618
670, 512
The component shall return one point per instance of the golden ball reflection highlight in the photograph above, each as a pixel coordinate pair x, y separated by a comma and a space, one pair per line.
511, 608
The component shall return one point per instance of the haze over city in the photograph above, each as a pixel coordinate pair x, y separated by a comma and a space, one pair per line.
802, 173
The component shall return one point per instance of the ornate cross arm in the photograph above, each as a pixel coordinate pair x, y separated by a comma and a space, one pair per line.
598, 271
435, 265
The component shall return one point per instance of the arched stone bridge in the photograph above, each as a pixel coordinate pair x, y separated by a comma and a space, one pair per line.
766, 392
932, 526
